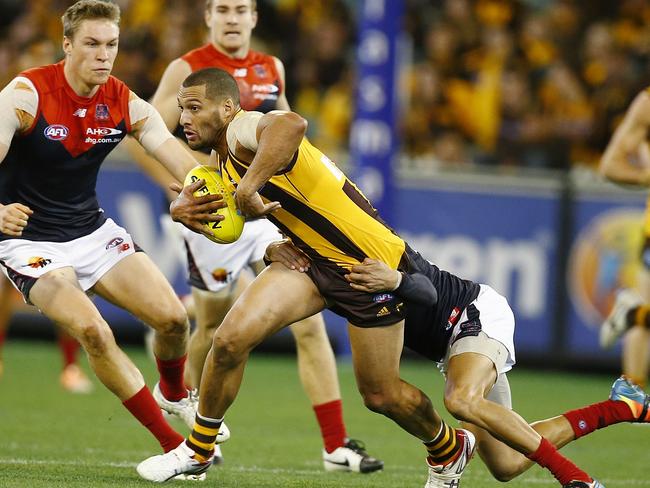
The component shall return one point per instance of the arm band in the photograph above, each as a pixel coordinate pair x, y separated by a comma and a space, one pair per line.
12, 99
243, 129
154, 132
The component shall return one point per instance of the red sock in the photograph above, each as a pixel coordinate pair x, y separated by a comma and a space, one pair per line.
3, 335
330, 420
69, 347
171, 378
144, 408
564, 470
585, 420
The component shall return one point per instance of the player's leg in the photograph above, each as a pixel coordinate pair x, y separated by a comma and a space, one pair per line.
138, 286
215, 274
58, 295
72, 377
263, 309
481, 349
317, 370
470, 376
376, 354
210, 309
636, 346
7, 293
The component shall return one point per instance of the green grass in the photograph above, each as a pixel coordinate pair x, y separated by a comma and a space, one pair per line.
50, 438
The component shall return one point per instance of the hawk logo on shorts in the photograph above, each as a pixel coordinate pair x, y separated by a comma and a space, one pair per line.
221, 275
382, 297
38, 262
114, 242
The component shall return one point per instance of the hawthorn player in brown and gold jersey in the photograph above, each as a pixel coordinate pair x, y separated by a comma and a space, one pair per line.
627, 160
277, 173
260, 78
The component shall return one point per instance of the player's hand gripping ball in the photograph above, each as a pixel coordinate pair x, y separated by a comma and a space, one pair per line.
227, 230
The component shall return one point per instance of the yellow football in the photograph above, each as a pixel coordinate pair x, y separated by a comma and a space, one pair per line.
227, 230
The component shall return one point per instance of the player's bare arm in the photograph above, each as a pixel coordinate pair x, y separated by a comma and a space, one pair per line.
165, 103
282, 103
279, 135
625, 158
149, 129
20, 99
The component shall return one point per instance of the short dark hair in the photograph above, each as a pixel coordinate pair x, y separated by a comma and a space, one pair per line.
208, 4
219, 84
88, 10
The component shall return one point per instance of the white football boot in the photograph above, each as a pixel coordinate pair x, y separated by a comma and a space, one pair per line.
448, 475
352, 456
185, 409
178, 462
615, 324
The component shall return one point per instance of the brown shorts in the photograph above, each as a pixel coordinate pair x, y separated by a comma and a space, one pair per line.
359, 308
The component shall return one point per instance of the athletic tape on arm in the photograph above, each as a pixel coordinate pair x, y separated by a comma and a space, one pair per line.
244, 130
12, 99
154, 132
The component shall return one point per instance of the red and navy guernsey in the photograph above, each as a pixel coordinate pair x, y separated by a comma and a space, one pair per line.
52, 168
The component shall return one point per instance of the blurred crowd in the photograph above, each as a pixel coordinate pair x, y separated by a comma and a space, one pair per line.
535, 83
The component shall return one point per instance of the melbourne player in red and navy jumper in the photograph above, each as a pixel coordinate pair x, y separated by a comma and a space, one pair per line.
52, 168
257, 76
58, 124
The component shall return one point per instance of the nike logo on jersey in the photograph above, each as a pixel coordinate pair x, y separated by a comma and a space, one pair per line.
240, 73
80, 112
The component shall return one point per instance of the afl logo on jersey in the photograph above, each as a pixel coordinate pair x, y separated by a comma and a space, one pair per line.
56, 132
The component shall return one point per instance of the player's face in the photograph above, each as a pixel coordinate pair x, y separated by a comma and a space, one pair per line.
231, 24
91, 53
202, 119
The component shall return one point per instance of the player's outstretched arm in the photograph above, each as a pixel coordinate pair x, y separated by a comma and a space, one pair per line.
625, 158
152, 133
278, 135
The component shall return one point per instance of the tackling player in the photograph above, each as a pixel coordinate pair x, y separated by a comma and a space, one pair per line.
277, 173
215, 269
475, 353
627, 161
59, 123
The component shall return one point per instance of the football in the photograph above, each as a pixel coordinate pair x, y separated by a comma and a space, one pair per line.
227, 230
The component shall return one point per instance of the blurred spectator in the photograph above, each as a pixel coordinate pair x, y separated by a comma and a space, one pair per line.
534, 83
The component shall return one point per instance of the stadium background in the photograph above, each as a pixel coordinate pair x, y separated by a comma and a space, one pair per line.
503, 108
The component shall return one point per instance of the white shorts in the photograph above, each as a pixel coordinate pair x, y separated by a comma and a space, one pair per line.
90, 256
496, 337
214, 266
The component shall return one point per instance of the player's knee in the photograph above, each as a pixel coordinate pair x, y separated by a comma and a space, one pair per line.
172, 321
228, 350
96, 337
462, 403
505, 473
378, 401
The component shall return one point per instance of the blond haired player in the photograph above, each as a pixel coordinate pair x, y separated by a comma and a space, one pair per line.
215, 269
59, 123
